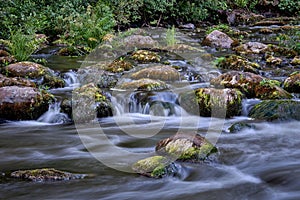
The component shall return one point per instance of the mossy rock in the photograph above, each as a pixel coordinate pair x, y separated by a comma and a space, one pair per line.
296, 60
145, 56
155, 167
139, 41
252, 85
23, 103
273, 61
160, 72
46, 174
292, 83
38, 73
15, 81
276, 110
238, 63
185, 147
269, 89
211, 102
90, 102
239, 126
119, 66
70, 51
281, 51
144, 84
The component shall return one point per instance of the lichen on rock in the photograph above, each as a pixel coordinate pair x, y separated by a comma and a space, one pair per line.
145, 56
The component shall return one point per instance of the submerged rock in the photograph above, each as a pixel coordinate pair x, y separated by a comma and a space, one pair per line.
23, 103
213, 102
46, 174
90, 102
239, 126
155, 167
276, 110
238, 63
144, 84
145, 56
185, 147
15, 81
252, 85
217, 39
160, 72
36, 72
292, 83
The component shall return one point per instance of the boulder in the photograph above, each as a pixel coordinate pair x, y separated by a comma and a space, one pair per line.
36, 72
15, 81
251, 48
252, 85
46, 174
217, 39
23, 103
89, 102
238, 63
292, 83
185, 147
276, 110
160, 72
144, 84
212, 102
155, 167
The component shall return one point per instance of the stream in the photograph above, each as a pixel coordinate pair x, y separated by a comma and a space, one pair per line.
256, 163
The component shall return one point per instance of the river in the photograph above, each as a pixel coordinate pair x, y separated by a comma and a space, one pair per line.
262, 162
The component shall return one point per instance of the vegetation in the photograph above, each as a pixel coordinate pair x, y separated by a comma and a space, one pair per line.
84, 22
170, 36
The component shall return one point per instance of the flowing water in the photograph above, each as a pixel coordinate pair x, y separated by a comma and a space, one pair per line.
262, 162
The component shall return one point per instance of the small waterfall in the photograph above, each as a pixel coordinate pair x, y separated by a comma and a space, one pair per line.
248, 105
149, 103
71, 79
53, 115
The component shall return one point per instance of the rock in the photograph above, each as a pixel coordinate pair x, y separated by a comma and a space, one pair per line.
15, 81
70, 51
118, 66
265, 31
139, 41
160, 72
180, 48
145, 84
155, 167
273, 61
187, 26
292, 83
97, 75
238, 63
66, 107
38, 73
296, 60
46, 174
281, 51
23, 103
240, 16
145, 56
213, 102
90, 102
4, 53
252, 85
276, 110
217, 39
6, 58
239, 126
269, 23
251, 48
185, 147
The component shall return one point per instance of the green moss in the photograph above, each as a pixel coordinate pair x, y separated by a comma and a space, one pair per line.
145, 56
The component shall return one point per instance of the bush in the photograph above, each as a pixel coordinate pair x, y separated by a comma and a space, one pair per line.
290, 6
